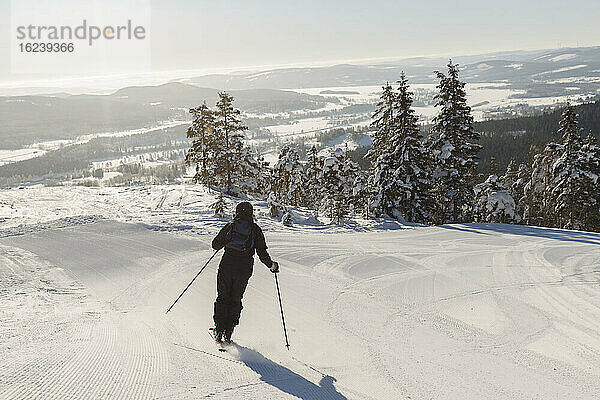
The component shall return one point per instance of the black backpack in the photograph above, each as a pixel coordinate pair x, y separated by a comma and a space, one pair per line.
240, 236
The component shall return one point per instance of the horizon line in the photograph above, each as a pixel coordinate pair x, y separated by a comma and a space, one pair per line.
197, 72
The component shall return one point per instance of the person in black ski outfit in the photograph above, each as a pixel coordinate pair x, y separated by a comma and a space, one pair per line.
241, 239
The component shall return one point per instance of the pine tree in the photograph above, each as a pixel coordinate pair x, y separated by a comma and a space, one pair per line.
517, 188
228, 128
569, 192
287, 177
335, 187
312, 179
349, 174
219, 206
454, 153
361, 193
493, 202
276, 209
287, 220
219, 153
562, 188
200, 152
383, 121
590, 160
511, 174
384, 199
411, 182
537, 202
494, 169
254, 173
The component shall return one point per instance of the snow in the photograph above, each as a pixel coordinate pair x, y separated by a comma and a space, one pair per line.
110, 175
484, 67
565, 69
306, 125
366, 94
501, 203
576, 79
345, 142
258, 75
446, 150
486, 95
563, 57
38, 149
515, 66
10, 156
472, 311
541, 57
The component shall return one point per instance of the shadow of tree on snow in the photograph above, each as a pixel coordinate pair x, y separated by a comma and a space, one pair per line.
525, 230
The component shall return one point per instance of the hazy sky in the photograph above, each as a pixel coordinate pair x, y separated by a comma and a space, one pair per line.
197, 34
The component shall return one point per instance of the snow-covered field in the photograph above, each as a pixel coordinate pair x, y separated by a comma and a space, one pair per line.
307, 127
41, 148
484, 96
10, 156
374, 310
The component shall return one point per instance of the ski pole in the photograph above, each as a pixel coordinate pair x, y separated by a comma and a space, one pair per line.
287, 344
190, 284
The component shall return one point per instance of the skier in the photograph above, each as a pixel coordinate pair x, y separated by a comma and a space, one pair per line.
241, 238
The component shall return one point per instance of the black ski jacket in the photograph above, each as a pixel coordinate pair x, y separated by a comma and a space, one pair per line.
260, 245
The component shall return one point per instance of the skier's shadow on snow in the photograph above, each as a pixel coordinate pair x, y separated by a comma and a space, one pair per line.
287, 380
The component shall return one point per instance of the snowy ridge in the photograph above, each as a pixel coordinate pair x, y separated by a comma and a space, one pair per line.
172, 208
53, 224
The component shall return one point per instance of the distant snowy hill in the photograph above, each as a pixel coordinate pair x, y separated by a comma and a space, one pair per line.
511, 67
27, 119
181, 95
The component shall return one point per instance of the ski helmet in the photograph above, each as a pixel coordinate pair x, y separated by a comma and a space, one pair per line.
244, 210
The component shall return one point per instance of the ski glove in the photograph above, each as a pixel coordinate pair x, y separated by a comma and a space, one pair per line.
274, 267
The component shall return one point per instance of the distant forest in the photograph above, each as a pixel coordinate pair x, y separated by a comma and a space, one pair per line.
504, 139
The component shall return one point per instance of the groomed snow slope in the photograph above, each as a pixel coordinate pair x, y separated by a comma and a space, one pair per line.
455, 312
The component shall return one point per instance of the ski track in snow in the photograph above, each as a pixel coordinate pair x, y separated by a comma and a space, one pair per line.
454, 312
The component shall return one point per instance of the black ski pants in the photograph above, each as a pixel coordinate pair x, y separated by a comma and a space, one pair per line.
232, 279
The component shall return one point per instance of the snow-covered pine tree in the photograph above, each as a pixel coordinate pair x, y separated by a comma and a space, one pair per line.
361, 193
200, 152
349, 174
220, 206
383, 121
254, 173
276, 209
228, 152
494, 168
511, 174
287, 177
312, 179
453, 149
410, 182
590, 159
335, 187
569, 186
383, 201
493, 202
537, 201
517, 188
287, 220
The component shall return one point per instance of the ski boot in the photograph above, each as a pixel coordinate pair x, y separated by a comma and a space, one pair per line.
227, 337
218, 335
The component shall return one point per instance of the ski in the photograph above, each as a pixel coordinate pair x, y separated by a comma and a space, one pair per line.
220, 345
